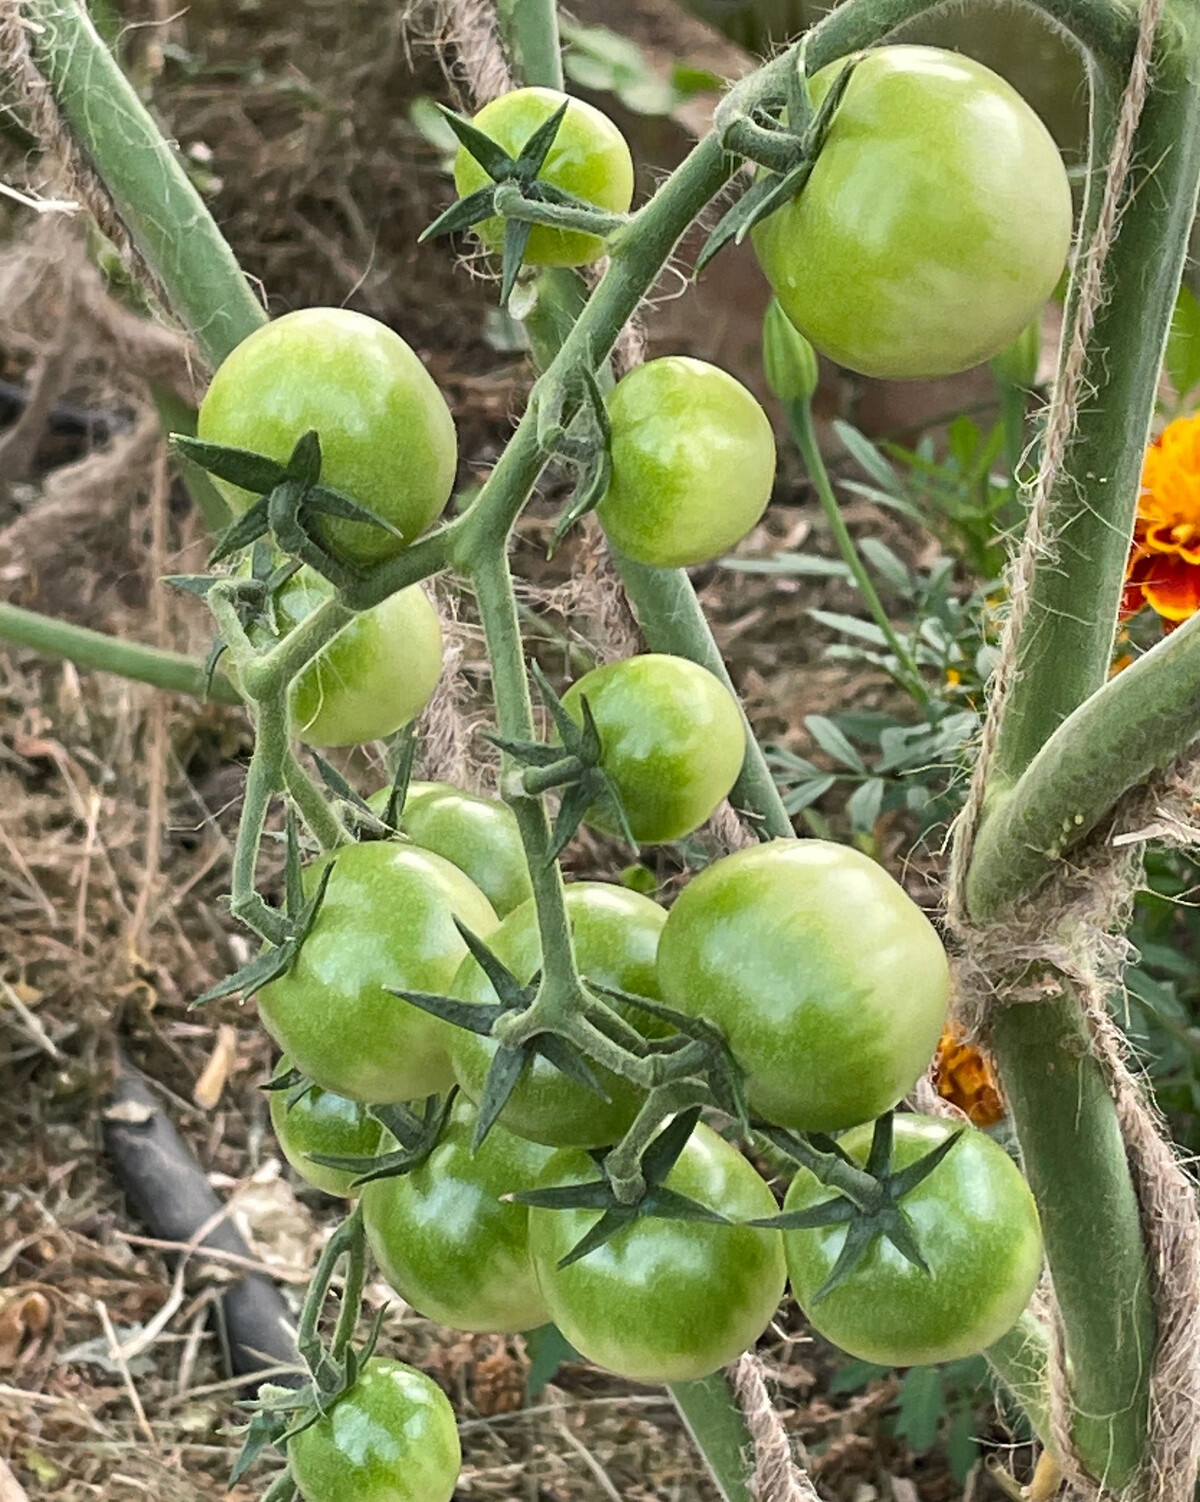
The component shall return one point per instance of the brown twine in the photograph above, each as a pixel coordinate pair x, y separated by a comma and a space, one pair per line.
776, 1476
1071, 929
80, 180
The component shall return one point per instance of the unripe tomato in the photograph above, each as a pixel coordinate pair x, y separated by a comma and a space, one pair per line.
934, 225
478, 835
827, 980
387, 436
387, 919
693, 462
615, 932
664, 1300
377, 673
977, 1227
322, 1122
390, 1438
589, 158
446, 1243
672, 741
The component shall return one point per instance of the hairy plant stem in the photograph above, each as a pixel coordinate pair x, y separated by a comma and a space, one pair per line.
623, 1165
327, 829
801, 422
347, 1239
1021, 1360
530, 32
113, 654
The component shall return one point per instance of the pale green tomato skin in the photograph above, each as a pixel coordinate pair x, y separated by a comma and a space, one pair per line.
589, 158
934, 226
387, 920
828, 982
977, 1225
616, 934
478, 835
391, 1438
322, 1122
672, 739
446, 1243
693, 463
664, 1300
387, 436
375, 676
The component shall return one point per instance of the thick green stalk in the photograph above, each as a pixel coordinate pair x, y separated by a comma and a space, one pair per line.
163, 212
718, 1427
111, 654
1136, 724
1063, 1112
530, 32
1021, 1360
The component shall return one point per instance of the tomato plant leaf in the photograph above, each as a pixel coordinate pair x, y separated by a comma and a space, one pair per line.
490, 155
288, 1080
547, 1348
834, 742
1183, 343
922, 1403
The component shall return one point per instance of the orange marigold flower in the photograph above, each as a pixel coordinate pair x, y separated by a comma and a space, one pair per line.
964, 1076
1164, 562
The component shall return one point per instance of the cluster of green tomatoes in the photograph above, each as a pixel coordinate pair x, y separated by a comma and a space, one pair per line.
934, 224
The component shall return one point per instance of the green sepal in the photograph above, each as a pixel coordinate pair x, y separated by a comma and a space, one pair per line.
879, 1159
418, 1136
503, 1076
474, 1017
509, 990
248, 528
490, 155
613, 1221
524, 753
212, 658
240, 467
665, 1204
405, 750
594, 1195
288, 1080
516, 239
462, 214
304, 462
293, 871
537, 148
861, 1231
831, 1212
664, 1151
340, 788
273, 962
267, 1427
899, 1184
282, 1489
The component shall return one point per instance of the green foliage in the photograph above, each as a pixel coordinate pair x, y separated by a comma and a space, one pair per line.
606, 62
1183, 346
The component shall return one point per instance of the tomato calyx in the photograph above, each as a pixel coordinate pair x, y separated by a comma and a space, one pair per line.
289, 499
509, 1061
517, 194
417, 1136
656, 1201
788, 150
868, 1201
575, 766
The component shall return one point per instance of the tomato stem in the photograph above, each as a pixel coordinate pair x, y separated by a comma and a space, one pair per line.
530, 32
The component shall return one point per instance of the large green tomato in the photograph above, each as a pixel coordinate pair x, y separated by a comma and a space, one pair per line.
693, 463
387, 436
478, 835
977, 1227
377, 673
446, 1243
589, 158
322, 1122
827, 980
616, 939
387, 919
672, 740
390, 1438
664, 1300
934, 226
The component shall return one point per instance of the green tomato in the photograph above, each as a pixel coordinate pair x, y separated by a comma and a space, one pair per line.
827, 980
589, 158
693, 463
322, 1122
664, 1300
377, 673
478, 835
977, 1227
387, 436
616, 939
390, 1438
446, 1243
934, 225
387, 919
672, 741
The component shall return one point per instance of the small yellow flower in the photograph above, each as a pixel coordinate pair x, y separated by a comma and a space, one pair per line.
964, 1076
953, 677
1164, 562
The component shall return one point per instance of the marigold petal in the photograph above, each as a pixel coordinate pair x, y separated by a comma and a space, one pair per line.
1172, 588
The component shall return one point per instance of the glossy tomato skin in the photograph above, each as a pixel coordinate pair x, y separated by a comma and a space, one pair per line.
446, 1243
672, 740
977, 1227
478, 835
387, 919
589, 158
616, 935
827, 980
664, 1300
934, 226
693, 462
322, 1122
377, 673
387, 436
390, 1438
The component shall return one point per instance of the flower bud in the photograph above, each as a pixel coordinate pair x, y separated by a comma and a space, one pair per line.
1017, 365
789, 360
